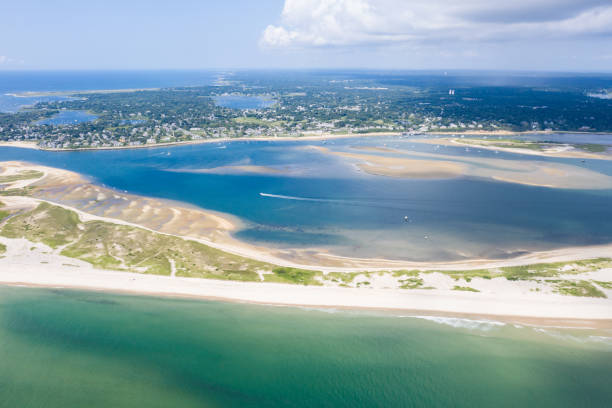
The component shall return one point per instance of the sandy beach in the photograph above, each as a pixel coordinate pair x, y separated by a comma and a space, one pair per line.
323, 136
92, 202
23, 145
559, 152
414, 164
27, 263
31, 264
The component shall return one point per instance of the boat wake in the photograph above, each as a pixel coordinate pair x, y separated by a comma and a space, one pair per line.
284, 197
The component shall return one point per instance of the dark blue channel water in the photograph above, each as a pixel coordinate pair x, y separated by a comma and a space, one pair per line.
321, 200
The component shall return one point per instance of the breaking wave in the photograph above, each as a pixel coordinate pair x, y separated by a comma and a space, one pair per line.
463, 323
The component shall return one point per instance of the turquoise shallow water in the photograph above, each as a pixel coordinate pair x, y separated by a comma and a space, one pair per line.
61, 348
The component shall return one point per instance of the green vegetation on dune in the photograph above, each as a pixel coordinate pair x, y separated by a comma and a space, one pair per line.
530, 272
51, 225
578, 288
468, 275
465, 289
605, 285
17, 191
532, 145
411, 283
2, 248
294, 275
126, 248
4, 214
120, 247
344, 277
22, 175
544, 270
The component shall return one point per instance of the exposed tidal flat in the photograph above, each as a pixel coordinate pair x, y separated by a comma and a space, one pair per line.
58, 229
402, 200
63, 348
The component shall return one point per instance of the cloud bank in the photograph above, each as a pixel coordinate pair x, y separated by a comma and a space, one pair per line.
342, 23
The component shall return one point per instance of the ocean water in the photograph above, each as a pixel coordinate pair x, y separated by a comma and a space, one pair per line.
45, 81
319, 200
62, 348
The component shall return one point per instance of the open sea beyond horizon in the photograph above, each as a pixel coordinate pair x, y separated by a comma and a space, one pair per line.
64, 348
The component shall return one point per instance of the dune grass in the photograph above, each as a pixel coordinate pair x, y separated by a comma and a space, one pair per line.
578, 288
293, 275
605, 285
465, 288
126, 248
22, 175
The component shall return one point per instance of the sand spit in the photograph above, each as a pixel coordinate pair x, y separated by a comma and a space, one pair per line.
413, 164
400, 167
23, 145
35, 264
72, 191
560, 151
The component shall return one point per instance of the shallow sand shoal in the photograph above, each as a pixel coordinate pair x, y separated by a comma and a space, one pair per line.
400, 167
566, 154
26, 264
436, 165
69, 190
23, 145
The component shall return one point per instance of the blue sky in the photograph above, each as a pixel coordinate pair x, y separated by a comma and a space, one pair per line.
557, 35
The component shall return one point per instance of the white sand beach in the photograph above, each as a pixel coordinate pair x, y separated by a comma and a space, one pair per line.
27, 263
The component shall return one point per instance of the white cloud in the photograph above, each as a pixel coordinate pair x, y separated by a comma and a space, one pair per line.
3, 59
318, 23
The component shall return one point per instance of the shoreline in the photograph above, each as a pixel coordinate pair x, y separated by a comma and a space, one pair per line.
32, 264
566, 154
552, 310
326, 136
38, 94
33, 145
322, 261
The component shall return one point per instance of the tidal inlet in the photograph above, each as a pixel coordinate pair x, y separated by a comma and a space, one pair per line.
332, 204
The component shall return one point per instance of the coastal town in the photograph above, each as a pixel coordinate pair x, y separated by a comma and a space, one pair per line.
251, 107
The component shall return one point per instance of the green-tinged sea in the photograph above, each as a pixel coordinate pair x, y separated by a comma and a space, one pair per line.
63, 348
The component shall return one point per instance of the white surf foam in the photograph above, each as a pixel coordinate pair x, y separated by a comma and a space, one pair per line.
463, 323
